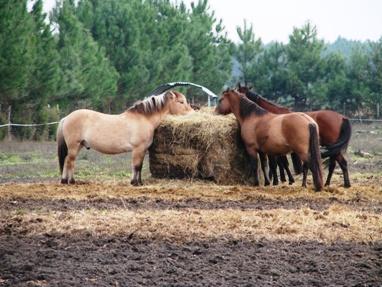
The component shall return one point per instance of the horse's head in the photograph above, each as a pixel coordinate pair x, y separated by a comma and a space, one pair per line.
177, 104
224, 105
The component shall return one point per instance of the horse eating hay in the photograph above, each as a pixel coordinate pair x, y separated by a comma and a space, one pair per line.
113, 134
265, 133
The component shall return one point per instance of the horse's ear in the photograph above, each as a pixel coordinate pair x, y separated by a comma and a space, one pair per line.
238, 85
170, 95
177, 94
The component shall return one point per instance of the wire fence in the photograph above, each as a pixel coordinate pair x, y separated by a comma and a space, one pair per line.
359, 120
27, 125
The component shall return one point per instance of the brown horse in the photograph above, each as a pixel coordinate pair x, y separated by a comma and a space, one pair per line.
133, 130
335, 132
266, 133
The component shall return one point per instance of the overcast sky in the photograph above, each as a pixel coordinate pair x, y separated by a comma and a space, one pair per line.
274, 19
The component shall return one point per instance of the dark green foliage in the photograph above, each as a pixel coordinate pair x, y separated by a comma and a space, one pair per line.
153, 42
308, 74
88, 78
105, 55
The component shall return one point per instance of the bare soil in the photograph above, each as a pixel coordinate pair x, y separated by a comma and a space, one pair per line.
190, 234
104, 232
128, 261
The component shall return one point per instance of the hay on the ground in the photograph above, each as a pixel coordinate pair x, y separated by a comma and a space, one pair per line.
202, 145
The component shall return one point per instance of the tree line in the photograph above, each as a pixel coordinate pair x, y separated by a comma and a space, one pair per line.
105, 55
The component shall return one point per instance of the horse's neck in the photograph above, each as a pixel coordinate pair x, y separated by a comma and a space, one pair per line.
271, 106
243, 108
265, 104
156, 118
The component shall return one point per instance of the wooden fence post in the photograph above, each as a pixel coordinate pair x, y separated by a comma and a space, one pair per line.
378, 111
9, 123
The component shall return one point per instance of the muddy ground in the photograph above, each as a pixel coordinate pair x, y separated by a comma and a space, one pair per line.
128, 261
43, 241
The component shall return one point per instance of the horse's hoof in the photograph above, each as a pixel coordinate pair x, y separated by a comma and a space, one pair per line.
72, 181
275, 183
64, 181
134, 182
347, 185
291, 182
267, 183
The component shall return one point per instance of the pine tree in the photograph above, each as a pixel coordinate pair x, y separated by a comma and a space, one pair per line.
87, 77
247, 52
305, 68
16, 51
375, 76
45, 79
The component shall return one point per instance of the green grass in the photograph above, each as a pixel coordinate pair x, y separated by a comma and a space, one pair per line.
37, 161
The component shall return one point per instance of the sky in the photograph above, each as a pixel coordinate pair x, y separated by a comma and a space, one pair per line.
273, 20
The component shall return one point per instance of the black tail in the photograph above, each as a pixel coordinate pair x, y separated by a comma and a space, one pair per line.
342, 142
297, 164
62, 148
315, 157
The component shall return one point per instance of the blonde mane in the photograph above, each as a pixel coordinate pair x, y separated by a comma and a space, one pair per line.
151, 104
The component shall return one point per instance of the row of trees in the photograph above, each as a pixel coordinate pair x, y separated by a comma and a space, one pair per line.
308, 74
102, 55
107, 54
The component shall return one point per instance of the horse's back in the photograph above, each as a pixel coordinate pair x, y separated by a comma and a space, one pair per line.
329, 123
103, 132
290, 130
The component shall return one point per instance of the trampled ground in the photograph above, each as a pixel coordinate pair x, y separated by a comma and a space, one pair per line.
103, 232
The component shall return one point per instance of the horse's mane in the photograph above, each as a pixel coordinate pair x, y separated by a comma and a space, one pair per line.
151, 104
253, 96
247, 107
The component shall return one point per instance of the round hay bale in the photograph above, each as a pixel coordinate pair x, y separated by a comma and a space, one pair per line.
201, 145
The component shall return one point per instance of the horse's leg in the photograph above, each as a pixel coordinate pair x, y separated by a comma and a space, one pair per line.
273, 169
332, 165
138, 155
281, 168
254, 164
69, 162
270, 172
64, 176
264, 165
344, 167
285, 162
305, 167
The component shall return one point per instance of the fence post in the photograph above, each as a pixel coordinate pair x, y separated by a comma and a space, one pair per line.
378, 111
9, 123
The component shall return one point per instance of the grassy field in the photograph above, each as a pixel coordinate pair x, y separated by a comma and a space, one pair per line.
104, 232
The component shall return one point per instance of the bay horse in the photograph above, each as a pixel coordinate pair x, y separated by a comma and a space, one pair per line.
133, 130
334, 128
266, 133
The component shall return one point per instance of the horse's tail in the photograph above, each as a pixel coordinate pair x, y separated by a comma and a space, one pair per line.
62, 148
342, 142
297, 165
315, 157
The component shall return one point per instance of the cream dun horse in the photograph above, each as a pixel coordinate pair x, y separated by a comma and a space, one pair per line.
133, 130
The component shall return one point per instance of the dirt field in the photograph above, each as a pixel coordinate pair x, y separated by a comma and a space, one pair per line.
103, 232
